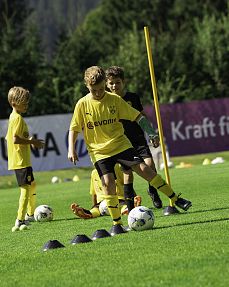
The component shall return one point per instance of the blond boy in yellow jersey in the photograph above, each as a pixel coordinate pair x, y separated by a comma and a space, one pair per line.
97, 115
97, 194
18, 146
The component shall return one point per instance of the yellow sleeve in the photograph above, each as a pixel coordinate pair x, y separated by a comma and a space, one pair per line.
77, 121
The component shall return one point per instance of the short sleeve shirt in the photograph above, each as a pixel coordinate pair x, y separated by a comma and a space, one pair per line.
100, 122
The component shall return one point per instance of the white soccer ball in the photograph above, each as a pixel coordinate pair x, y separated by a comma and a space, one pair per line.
141, 218
103, 209
43, 213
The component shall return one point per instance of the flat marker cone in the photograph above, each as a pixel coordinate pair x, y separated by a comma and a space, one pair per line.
100, 233
52, 244
81, 238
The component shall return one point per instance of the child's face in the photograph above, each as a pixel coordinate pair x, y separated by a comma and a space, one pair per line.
116, 85
22, 107
97, 91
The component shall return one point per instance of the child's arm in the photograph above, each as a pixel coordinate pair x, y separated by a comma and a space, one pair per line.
37, 143
72, 155
146, 126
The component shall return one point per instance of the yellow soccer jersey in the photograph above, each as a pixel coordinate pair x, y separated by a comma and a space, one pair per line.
99, 120
96, 184
18, 154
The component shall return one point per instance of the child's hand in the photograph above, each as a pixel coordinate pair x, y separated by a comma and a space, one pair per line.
37, 143
155, 141
72, 156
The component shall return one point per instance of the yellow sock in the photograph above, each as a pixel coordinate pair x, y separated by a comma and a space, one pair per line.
23, 201
32, 199
113, 207
161, 185
95, 212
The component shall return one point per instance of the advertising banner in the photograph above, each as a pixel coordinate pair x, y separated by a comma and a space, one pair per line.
194, 128
189, 128
54, 130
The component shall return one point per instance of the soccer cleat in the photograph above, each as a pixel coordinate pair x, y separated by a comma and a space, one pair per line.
137, 200
81, 212
117, 229
183, 203
170, 210
156, 199
19, 225
29, 218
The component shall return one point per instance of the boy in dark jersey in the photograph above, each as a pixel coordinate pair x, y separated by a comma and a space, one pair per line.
115, 81
97, 114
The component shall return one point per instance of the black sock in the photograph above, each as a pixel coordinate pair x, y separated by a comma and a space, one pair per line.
129, 194
152, 190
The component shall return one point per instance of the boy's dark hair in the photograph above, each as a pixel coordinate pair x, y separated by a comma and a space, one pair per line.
94, 75
115, 72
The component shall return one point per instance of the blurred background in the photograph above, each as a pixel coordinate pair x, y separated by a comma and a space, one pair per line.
46, 45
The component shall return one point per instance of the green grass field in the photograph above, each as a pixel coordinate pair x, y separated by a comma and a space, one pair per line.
189, 249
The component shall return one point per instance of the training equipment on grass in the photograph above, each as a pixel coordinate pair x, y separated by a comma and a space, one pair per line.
43, 213
80, 238
52, 244
141, 218
100, 233
156, 102
117, 229
75, 178
55, 179
103, 209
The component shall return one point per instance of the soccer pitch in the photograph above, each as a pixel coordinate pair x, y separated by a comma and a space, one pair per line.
189, 249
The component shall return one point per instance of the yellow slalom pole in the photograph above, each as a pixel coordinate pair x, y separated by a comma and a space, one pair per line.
156, 104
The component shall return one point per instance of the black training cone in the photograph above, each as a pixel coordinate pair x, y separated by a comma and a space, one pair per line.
117, 229
52, 244
100, 233
80, 238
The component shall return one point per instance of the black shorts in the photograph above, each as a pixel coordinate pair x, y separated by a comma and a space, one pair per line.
127, 158
24, 175
142, 151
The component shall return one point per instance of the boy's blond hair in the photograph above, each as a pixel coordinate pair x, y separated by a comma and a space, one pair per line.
18, 95
94, 75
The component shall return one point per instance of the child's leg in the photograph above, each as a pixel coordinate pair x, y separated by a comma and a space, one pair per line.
23, 202
32, 199
129, 192
95, 211
155, 180
109, 186
152, 191
161, 185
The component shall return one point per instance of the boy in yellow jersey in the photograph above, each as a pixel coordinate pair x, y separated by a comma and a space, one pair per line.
18, 146
97, 194
97, 114
115, 81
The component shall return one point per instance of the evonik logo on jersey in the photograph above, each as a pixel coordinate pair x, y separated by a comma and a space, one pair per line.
92, 125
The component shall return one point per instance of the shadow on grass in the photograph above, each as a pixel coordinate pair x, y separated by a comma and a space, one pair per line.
195, 222
64, 219
196, 211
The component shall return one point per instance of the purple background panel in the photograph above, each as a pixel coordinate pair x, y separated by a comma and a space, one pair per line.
194, 128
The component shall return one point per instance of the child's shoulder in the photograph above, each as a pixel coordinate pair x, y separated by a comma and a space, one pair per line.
131, 95
15, 116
